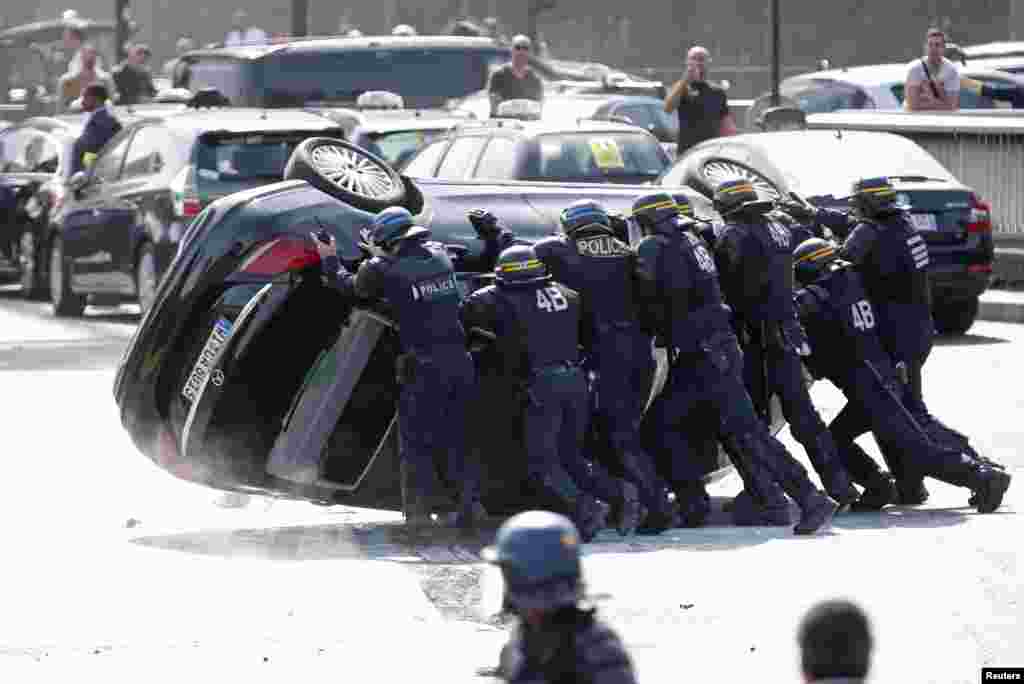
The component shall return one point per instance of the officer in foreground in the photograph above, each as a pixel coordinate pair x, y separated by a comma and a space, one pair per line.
893, 259
435, 371
538, 324
835, 643
556, 639
754, 254
836, 309
678, 281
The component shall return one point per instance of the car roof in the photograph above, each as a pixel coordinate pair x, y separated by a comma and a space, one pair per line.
997, 63
397, 119
995, 49
335, 44
52, 30
865, 75
547, 127
245, 119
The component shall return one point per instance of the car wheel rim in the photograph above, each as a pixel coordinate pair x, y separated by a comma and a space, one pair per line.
27, 259
717, 171
352, 171
56, 273
147, 281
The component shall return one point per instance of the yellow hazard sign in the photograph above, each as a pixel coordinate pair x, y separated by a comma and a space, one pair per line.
607, 154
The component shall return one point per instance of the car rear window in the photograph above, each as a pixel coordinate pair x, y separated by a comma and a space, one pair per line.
228, 163
423, 77
595, 156
397, 147
816, 96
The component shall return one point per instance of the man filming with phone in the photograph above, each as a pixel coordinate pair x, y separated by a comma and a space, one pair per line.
933, 82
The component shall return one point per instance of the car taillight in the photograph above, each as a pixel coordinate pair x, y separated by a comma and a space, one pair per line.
980, 220
186, 199
979, 268
281, 255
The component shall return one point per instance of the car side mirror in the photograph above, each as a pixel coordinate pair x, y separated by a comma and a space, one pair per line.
78, 181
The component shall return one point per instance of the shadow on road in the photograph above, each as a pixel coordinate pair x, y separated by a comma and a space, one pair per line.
967, 340
904, 517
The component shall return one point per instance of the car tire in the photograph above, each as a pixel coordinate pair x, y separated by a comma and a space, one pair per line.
65, 302
146, 278
30, 261
346, 172
957, 317
714, 170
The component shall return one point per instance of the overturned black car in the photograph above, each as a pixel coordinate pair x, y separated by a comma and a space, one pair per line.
249, 374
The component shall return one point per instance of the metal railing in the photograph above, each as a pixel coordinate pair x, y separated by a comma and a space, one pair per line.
984, 149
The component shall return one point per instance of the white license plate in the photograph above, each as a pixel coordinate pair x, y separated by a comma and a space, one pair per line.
200, 374
924, 221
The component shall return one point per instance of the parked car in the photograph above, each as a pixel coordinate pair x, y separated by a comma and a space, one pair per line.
1012, 65
997, 49
582, 151
381, 123
119, 224
249, 374
822, 166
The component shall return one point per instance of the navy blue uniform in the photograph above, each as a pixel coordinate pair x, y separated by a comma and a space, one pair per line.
571, 646
436, 372
755, 259
100, 127
593, 262
839, 317
538, 327
678, 281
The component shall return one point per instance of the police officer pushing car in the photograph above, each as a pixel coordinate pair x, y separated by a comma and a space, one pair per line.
435, 371
754, 254
538, 324
678, 280
556, 639
840, 317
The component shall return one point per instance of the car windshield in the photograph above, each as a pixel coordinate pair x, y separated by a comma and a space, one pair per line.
397, 147
596, 156
816, 96
423, 77
228, 163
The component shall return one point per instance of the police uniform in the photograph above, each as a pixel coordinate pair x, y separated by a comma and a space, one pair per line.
592, 261
678, 280
556, 640
538, 324
839, 316
435, 371
755, 256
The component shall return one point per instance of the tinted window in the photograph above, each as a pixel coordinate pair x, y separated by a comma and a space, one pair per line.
397, 147
595, 156
107, 166
458, 164
228, 163
148, 153
820, 95
13, 148
227, 76
424, 163
498, 160
638, 115
423, 77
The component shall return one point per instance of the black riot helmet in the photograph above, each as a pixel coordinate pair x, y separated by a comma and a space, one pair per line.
519, 265
539, 556
738, 194
659, 213
811, 258
874, 197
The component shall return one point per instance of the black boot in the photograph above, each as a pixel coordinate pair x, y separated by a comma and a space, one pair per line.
825, 459
762, 502
416, 505
694, 504
988, 485
588, 513
627, 511
911, 492
662, 514
879, 492
590, 516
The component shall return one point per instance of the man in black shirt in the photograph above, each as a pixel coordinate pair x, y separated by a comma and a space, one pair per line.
132, 77
516, 80
703, 108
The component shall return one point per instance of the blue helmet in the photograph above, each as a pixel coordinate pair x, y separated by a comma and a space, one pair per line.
683, 205
582, 213
875, 196
657, 213
519, 265
811, 258
393, 224
539, 556
736, 194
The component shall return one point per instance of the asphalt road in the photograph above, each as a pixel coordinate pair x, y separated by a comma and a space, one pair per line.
113, 569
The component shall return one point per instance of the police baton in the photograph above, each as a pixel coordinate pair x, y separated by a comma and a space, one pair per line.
899, 402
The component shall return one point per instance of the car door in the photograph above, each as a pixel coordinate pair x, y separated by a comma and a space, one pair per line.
461, 159
86, 219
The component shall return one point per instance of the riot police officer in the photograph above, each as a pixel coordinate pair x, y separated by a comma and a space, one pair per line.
678, 281
840, 317
556, 639
588, 258
538, 324
754, 254
435, 371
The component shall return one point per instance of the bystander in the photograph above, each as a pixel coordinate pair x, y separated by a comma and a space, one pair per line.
516, 80
933, 82
132, 77
703, 109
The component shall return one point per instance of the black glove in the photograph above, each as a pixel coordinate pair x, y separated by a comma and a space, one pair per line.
800, 212
484, 223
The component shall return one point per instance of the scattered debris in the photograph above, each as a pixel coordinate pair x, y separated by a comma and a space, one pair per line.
132, 522
752, 649
686, 606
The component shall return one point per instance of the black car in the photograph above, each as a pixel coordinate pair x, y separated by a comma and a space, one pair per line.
427, 71
249, 374
578, 151
120, 222
822, 165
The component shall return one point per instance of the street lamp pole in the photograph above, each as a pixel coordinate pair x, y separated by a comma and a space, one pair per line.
776, 67
300, 17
